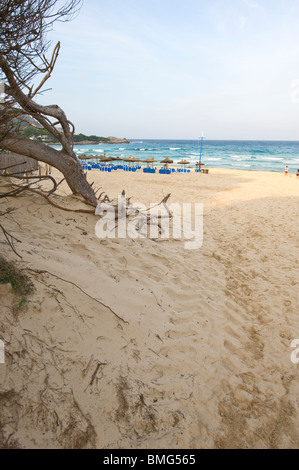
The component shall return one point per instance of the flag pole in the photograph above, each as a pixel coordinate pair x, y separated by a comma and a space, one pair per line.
200, 154
201, 148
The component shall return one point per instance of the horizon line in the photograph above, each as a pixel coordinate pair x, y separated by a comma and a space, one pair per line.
216, 140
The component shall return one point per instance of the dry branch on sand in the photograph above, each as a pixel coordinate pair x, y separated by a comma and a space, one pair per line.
124, 210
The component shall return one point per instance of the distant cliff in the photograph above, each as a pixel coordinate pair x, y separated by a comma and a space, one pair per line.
116, 140
93, 139
45, 136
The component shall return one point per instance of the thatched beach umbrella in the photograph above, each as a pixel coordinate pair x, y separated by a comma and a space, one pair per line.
96, 157
167, 161
128, 160
135, 160
183, 162
148, 161
90, 157
199, 164
106, 159
111, 159
131, 159
118, 160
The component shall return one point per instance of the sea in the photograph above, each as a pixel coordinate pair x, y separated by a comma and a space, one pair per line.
234, 154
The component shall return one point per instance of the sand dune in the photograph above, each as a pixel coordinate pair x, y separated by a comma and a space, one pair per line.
144, 344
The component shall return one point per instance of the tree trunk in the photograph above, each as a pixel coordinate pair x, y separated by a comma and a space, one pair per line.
67, 164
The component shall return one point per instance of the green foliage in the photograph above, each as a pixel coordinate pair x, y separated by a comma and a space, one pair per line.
89, 138
20, 283
38, 133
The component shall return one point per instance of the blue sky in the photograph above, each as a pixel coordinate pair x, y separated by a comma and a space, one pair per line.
170, 69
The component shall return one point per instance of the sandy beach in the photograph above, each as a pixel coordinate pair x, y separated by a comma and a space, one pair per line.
143, 344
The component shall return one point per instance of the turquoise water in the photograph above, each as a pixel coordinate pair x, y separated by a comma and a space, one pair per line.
241, 155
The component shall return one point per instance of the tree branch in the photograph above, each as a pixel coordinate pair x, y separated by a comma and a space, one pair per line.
38, 111
10, 240
49, 69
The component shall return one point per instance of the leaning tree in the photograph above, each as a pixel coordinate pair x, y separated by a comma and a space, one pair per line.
24, 69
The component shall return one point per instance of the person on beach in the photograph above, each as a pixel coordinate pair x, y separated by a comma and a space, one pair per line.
297, 173
286, 170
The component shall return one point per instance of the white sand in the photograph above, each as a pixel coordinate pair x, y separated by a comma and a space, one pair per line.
156, 346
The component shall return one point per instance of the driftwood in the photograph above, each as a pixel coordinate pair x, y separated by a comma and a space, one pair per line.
125, 210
